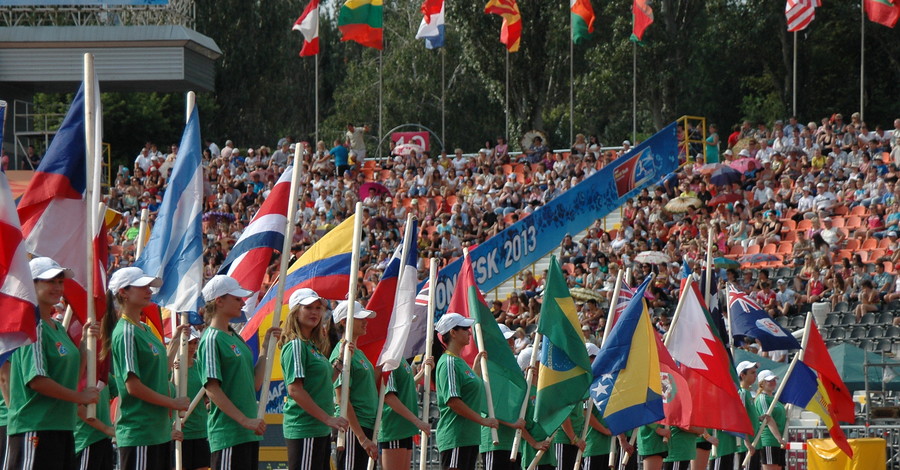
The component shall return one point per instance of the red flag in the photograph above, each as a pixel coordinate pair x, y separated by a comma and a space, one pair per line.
17, 298
677, 401
511, 29
308, 25
800, 13
818, 358
885, 12
459, 303
643, 18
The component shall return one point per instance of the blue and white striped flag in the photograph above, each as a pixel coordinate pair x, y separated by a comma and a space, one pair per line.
175, 250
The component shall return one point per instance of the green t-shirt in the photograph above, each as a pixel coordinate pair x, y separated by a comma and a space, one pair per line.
750, 406
528, 452
4, 412
682, 445
576, 417
138, 352
597, 442
85, 434
225, 357
505, 435
301, 360
363, 393
401, 382
649, 442
455, 379
195, 426
727, 444
54, 356
778, 414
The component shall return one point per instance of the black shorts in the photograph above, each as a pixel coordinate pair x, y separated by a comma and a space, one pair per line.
353, 457
705, 445
194, 454
38, 450
596, 462
725, 462
2, 443
754, 460
244, 455
679, 465
499, 460
145, 457
565, 455
97, 456
311, 453
406, 443
772, 456
461, 458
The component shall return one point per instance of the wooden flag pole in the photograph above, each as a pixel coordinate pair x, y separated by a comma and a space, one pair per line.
429, 343
540, 454
606, 329
197, 398
142, 233
348, 330
584, 431
379, 412
529, 380
479, 336
90, 126
282, 274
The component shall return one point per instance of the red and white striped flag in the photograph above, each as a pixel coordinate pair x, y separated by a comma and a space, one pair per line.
17, 298
800, 13
308, 25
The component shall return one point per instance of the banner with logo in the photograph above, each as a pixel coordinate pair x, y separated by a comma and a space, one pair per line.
531, 238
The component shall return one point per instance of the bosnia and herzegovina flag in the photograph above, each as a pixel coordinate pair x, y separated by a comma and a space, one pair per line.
627, 388
804, 389
324, 268
565, 367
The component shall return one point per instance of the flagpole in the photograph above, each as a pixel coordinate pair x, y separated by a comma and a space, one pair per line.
429, 343
633, 91
379, 412
540, 454
529, 380
443, 100
142, 232
862, 58
572, 85
90, 126
317, 101
606, 329
794, 87
506, 140
380, 98
348, 330
728, 312
282, 274
797, 358
199, 396
707, 293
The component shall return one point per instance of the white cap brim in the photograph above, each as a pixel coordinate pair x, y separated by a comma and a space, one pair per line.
53, 272
144, 281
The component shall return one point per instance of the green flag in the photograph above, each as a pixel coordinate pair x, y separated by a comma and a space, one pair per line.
565, 370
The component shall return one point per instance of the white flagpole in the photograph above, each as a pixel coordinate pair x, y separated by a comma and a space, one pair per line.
571, 81
379, 412
90, 126
443, 100
380, 100
540, 454
487, 381
634, 91
529, 380
794, 87
317, 101
142, 233
862, 59
429, 343
348, 330
282, 274
506, 140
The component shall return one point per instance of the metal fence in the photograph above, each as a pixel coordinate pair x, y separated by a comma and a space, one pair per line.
796, 459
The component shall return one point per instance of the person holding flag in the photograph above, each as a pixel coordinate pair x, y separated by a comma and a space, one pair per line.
596, 449
652, 446
43, 385
140, 366
195, 452
309, 409
399, 422
530, 447
230, 379
93, 437
460, 396
772, 454
496, 457
747, 373
363, 391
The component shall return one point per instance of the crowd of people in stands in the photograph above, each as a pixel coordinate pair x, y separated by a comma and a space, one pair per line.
815, 211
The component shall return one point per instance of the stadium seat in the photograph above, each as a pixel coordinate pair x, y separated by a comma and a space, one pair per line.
886, 318
884, 243
785, 248
867, 345
784, 272
875, 332
841, 210
852, 244
892, 331
868, 319
769, 249
804, 224
789, 237
869, 244
838, 222
859, 211
788, 225
837, 333
883, 346
832, 319
798, 321
783, 321
752, 250
848, 319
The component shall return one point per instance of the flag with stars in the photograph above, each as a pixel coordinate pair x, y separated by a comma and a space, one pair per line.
565, 374
627, 387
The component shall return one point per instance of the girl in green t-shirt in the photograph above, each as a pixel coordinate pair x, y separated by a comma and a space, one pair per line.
195, 452
771, 452
652, 446
399, 422
309, 377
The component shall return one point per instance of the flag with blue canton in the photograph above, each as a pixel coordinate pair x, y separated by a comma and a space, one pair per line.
749, 319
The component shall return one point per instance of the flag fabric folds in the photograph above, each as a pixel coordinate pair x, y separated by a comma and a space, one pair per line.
18, 300
804, 389
511, 29
676, 393
816, 356
432, 27
800, 13
175, 250
419, 329
308, 25
749, 319
884, 12
564, 376
582, 19
627, 388
459, 303
643, 18
361, 21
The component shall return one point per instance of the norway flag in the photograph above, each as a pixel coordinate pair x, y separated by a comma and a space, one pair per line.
17, 298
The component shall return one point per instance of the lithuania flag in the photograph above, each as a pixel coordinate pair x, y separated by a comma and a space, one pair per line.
582, 19
565, 368
361, 21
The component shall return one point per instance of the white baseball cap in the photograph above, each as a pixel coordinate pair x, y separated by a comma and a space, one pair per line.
195, 334
222, 284
524, 357
304, 296
765, 376
340, 312
744, 365
507, 333
132, 276
450, 321
592, 349
44, 268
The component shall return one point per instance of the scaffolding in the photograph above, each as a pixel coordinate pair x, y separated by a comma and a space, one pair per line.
175, 12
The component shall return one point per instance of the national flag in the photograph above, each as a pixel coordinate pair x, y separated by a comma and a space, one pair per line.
432, 27
676, 393
511, 29
324, 267
800, 13
565, 367
627, 388
818, 358
582, 19
643, 18
712, 303
749, 319
394, 302
308, 25
625, 295
2, 120
361, 21
694, 342
252, 253
175, 250
459, 303
804, 389
18, 301
885, 12
419, 330
507, 383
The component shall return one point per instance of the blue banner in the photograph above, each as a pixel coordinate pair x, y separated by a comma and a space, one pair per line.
531, 238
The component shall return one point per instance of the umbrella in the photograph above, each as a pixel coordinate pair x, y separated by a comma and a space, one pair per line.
683, 204
709, 168
745, 164
652, 257
380, 190
725, 176
726, 263
406, 149
724, 198
848, 360
759, 258
584, 294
